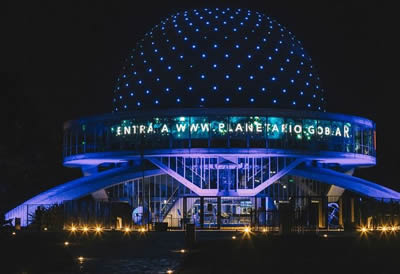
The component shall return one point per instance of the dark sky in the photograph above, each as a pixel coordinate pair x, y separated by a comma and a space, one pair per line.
59, 61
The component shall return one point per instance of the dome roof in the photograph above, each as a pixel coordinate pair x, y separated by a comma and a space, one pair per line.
218, 58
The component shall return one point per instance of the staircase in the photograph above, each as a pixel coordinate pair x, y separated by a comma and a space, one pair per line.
168, 205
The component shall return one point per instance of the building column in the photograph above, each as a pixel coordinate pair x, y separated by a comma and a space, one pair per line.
322, 212
255, 212
184, 212
219, 212
340, 203
202, 212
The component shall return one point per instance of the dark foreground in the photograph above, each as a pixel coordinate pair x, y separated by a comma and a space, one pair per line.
214, 252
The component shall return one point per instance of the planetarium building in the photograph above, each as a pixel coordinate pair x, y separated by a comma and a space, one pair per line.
218, 120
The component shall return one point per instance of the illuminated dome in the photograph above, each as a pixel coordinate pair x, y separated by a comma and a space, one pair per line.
218, 58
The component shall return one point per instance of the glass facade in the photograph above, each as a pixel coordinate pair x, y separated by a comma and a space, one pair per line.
310, 134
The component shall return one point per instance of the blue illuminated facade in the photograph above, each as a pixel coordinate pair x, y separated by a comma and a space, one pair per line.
218, 117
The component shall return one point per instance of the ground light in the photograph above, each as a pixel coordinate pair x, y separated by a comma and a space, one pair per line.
127, 229
325, 235
73, 228
66, 243
85, 229
142, 230
13, 233
182, 251
233, 237
98, 229
246, 231
80, 259
169, 271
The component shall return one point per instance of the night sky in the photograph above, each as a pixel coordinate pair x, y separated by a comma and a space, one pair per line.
59, 60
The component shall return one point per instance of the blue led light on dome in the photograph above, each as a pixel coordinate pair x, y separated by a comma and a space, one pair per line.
252, 100
267, 77
178, 100
138, 104
227, 99
156, 102
202, 99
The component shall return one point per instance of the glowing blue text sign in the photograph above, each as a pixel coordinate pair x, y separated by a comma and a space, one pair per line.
201, 127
